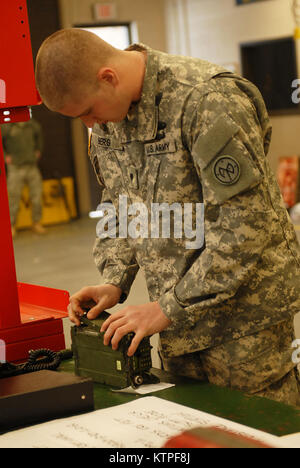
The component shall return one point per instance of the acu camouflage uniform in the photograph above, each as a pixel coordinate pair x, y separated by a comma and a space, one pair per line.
201, 134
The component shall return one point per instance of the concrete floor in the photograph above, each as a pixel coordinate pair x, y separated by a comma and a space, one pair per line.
62, 259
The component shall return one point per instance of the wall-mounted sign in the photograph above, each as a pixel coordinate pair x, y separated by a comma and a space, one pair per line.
105, 11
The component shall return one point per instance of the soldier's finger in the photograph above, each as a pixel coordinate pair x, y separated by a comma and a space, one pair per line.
135, 343
119, 333
112, 331
97, 309
112, 318
72, 316
75, 305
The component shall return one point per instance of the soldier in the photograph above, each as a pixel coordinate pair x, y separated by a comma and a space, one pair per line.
170, 129
22, 149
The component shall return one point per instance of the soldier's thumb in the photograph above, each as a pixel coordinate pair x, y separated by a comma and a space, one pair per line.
97, 309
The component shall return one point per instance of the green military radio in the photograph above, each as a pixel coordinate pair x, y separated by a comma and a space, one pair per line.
102, 363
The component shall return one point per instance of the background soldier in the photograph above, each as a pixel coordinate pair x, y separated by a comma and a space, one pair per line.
22, 144
224, 312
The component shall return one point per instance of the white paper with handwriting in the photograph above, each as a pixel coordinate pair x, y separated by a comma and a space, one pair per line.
147, 422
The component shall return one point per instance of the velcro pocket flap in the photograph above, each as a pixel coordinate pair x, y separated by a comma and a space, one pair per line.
226, 166
207, 146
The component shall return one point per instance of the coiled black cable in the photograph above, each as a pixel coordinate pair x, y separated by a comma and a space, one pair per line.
39, 359
42, 359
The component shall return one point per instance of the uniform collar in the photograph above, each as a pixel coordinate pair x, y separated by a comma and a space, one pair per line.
142, 119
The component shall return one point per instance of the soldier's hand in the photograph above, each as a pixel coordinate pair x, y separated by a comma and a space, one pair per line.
101, 297
143, 320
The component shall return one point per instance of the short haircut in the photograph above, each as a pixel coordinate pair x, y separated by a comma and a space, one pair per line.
67, 65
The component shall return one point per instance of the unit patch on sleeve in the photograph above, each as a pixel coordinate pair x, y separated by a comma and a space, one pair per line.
226, 170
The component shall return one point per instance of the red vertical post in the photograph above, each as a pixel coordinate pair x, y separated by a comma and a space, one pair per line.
17, 92
9, 303
30, 316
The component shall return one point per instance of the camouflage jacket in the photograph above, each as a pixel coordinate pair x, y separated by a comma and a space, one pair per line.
200, 134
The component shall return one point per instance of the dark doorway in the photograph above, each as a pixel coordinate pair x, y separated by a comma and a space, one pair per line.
57, 159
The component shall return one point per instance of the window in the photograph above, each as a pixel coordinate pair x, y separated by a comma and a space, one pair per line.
118, 35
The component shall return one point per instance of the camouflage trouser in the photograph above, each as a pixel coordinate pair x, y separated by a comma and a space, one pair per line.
17, 177
260, 364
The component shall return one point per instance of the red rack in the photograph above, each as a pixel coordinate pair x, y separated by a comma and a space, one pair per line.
30, 316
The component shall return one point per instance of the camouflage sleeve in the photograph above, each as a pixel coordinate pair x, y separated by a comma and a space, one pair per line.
226, 140
114, 258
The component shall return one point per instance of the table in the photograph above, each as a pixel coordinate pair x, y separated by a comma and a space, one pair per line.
256, 412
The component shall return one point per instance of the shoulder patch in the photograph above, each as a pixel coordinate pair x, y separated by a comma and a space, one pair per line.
226, 166
226, 170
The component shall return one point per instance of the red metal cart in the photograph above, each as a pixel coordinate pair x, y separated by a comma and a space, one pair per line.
30, 316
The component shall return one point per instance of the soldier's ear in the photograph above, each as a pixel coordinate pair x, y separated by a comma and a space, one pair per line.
108, 75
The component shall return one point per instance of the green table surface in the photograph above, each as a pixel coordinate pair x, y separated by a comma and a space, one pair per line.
256, 412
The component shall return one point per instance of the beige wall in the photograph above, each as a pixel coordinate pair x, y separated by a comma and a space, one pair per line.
149, 17
213, 29
210, 29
